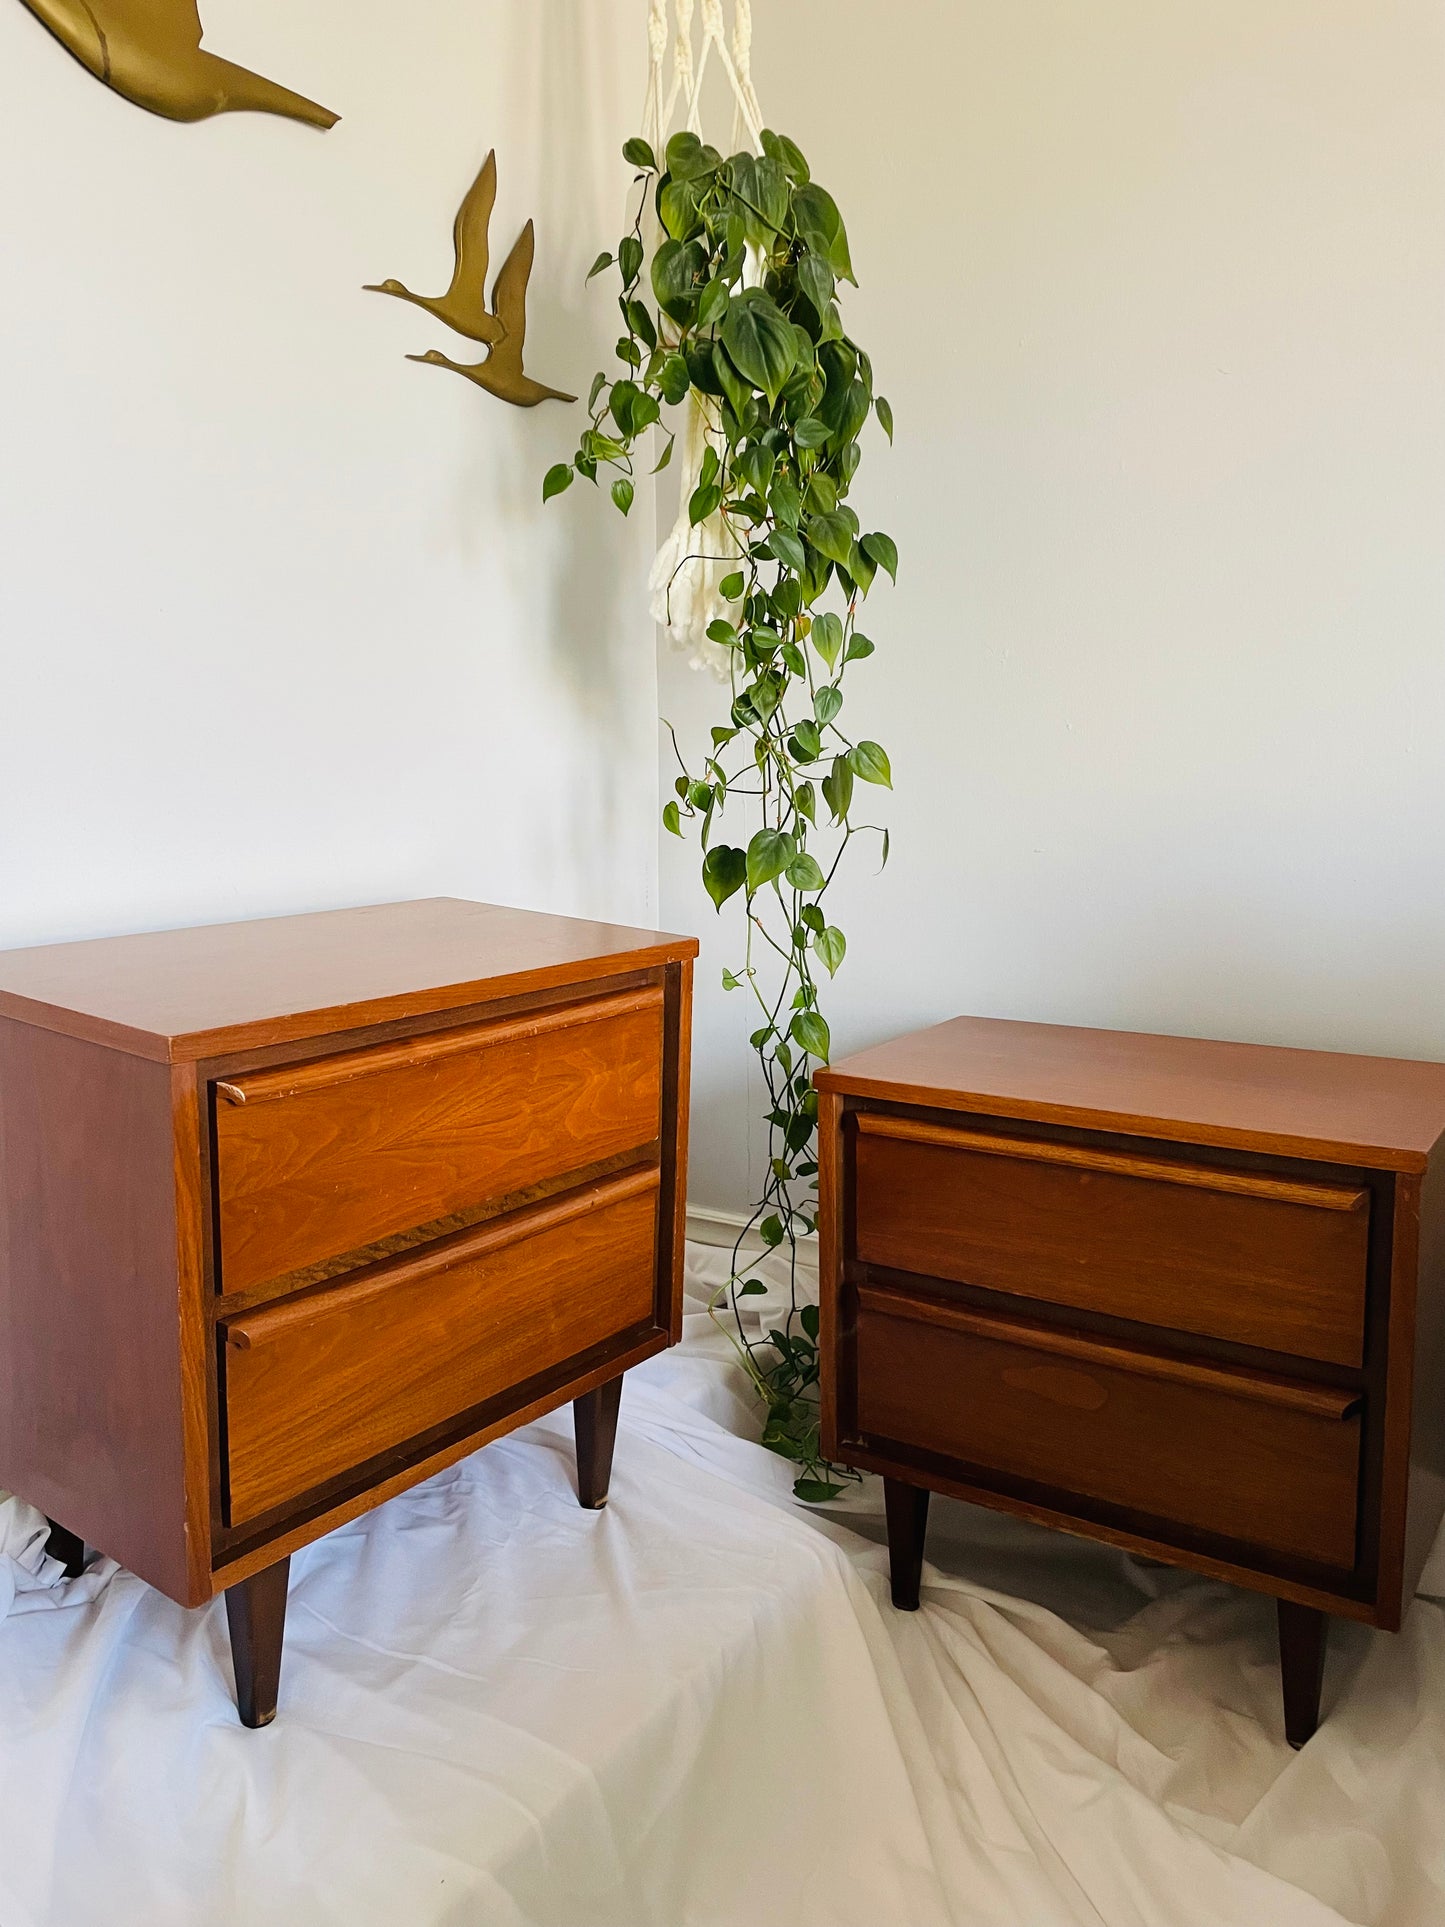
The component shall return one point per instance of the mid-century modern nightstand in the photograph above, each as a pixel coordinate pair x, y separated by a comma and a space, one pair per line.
1185, 1297
294, 1213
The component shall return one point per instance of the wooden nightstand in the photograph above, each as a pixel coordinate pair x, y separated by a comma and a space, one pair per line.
295, 1213
1185, 1297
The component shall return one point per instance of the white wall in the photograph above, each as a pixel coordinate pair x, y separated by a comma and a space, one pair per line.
282, 622
1157, 289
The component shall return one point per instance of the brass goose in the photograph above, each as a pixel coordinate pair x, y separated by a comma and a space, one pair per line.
464, 305
149, 51
501, 373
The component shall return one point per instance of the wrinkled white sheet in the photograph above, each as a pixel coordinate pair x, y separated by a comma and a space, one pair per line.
697, 1708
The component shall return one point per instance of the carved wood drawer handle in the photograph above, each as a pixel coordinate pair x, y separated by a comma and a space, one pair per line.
248, 1330
1263, 1388
1083, 1157
322, 1073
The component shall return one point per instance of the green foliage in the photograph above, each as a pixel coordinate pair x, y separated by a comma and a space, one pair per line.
744, 287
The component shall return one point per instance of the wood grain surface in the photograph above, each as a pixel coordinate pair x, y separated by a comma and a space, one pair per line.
315, 1160
1382, 1112
1278, 1267
337, 1376
93, 1404
1267, 1474
185, 994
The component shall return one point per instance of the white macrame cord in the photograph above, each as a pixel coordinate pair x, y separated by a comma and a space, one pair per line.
690, 565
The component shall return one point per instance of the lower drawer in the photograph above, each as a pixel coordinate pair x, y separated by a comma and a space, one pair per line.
1266, 1461
323, 1382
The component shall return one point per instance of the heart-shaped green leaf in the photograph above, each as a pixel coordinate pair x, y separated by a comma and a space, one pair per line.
816, 216
871, 763
838, 788
713, 304
629, 259
673, 379
676, 268
782, 149
724, 871
804, 872
810, 1030
769, 854
831, 535
882, 550
827, 637
830, 944
759, 338
788, 549
688, 159
815, 278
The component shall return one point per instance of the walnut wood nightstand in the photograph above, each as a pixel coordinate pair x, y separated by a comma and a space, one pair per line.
295, 1213
1184, 1297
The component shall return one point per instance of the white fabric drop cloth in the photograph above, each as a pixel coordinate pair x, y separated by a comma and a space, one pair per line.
697, 1709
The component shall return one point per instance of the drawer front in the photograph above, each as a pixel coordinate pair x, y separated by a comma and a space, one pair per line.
1236, 1255
324, 1382
1264, 1461
318, 1160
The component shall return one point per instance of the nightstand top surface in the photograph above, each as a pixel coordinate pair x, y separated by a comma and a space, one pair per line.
175, 995
1383, 1112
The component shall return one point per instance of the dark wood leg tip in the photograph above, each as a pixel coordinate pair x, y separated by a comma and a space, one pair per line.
65, 1547
1302, 1631
256, 1616
906, 1507
594, 1421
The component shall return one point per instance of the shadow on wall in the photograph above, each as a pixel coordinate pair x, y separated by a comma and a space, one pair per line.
597, 638
587, 574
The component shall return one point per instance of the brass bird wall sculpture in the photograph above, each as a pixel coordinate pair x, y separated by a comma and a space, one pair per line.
464, 306
149, 51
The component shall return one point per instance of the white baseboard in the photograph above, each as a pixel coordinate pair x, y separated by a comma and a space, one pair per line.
706, 1227
716, 1227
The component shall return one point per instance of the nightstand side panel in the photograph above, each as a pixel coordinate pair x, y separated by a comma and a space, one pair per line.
1423, 1419
91, 1424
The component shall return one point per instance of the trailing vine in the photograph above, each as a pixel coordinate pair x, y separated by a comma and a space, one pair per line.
744, 322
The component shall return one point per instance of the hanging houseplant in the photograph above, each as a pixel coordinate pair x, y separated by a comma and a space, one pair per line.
743, 331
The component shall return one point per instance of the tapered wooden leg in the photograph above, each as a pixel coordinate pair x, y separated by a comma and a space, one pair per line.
594, 1420
65, 1547
1302, 1632
907, 1510
256, 1614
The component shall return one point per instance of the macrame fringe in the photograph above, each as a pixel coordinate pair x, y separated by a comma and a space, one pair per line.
693, 561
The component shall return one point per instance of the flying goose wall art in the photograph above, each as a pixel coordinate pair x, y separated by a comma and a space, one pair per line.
463, 307
149, 52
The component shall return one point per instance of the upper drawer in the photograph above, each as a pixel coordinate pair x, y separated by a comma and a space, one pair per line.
1235, 1255
321, 1159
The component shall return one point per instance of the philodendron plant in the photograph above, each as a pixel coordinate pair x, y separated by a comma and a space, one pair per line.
743, 323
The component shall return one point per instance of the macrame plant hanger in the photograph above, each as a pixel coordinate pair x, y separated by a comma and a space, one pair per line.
693, 561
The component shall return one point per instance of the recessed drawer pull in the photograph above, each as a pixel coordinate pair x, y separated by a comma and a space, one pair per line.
1246, 1184
292, 1080
1261, 1388
250, 1330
